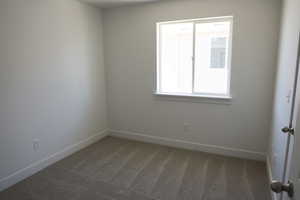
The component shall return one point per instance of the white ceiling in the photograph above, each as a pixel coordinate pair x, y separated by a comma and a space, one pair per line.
115, 3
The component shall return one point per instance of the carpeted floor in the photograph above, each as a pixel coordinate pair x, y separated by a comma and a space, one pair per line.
119, 169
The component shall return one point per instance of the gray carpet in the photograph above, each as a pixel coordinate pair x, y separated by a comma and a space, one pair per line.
119, 169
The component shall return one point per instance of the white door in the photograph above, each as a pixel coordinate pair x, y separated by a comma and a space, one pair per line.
291, 171
281, 144
291, 183
292, 168
294, 175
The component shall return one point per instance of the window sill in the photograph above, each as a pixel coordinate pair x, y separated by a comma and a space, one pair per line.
194, 98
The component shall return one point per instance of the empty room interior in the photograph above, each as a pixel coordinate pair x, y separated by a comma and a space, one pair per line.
149, 100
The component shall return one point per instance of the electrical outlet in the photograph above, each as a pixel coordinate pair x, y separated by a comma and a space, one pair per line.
186, 127
36, 144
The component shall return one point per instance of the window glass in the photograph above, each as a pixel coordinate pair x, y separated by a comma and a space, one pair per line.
193, 57
211, 70
176, 57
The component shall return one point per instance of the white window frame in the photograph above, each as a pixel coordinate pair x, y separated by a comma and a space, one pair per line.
229, 57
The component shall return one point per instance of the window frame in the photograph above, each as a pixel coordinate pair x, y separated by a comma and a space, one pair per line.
229, 58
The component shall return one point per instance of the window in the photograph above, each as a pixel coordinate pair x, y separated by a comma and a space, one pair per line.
193, 57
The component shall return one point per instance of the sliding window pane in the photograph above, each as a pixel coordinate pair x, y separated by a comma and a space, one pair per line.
211, 58
176, 51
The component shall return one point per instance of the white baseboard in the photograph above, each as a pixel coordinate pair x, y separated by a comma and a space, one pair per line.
240, 153
41, 164
270, 176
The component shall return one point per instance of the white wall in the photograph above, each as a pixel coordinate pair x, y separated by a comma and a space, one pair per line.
52, 79
130, 61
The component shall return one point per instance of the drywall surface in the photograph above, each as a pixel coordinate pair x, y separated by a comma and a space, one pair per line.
130, 60
52, 80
